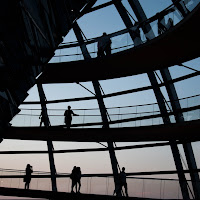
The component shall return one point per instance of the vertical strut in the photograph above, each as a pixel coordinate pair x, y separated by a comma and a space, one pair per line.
127, 21
110, 144
180, 118
173, 144
49, 143
139, 12
141, 16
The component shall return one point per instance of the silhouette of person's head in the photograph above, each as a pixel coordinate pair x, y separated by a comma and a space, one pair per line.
123, 169
69, 107
28, 166
104, 33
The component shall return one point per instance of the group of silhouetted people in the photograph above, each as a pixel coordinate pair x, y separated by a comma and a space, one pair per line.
104, 42
68, 117
75, 176
162, 26
104, 49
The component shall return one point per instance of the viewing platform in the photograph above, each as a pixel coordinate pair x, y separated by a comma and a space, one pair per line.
177, 45
187, 131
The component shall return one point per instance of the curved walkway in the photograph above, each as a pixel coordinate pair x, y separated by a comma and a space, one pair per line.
57, 195
187, 131
177, 45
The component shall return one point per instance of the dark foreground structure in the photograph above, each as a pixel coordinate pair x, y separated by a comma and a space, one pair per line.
32, 32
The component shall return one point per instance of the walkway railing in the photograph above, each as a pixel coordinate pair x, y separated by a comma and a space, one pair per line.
121, 40
126, 116
162, 188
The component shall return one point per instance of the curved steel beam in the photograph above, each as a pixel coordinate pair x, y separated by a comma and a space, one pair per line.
177, 45
116, 93
188, 131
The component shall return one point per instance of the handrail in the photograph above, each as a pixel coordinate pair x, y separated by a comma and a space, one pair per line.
191, 108
104, 175
164, 12
119, 114
133, 119
118, 107
116, 93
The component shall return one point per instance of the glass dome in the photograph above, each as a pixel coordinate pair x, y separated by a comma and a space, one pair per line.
134, 95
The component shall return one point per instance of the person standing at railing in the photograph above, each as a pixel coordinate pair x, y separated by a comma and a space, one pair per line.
181, 7
73, 178
68, 117
41, 117
123, 182
104, 46
76, 179
27, 177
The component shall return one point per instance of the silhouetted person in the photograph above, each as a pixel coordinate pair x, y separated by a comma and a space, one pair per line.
27, 177
118, 188
123, 181
41, 117
68, 117
78, 176
181, 7
73, 178
104, 46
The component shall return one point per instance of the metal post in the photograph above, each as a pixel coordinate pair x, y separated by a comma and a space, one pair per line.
173, 144
102, 107
49, 143
139, 12
179, 118
110, 144
122, 11
141, 16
